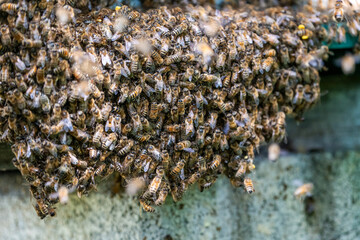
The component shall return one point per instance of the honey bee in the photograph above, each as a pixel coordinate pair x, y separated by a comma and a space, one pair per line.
126, 129
99, 131
299, 95
179, 29
175, 171
156, 182
110, 124
268, 63
153, 114
183, 146
135, 93
189, 127
338, 11
273, 152
347, 63
127, 148
157, 58
146, 207
109, 142
216, 162
21, 102
248, 184
163, 193
304, 190
5, 35
9, 8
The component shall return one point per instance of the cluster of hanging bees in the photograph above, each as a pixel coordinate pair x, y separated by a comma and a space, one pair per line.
166, 98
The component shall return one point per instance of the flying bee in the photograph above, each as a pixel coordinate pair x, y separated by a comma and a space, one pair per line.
338, 11
273, 152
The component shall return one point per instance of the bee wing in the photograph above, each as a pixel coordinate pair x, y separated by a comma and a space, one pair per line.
107, 126
205, 101
226, 128
63, 139
67, 125
113, 125
190, 150
218, 82
146, 167
112, 146
105, 60
20, 64
28, 151
182, 174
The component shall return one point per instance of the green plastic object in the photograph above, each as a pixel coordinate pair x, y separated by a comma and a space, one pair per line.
349, 43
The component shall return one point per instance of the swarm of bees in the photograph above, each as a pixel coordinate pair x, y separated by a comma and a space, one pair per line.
166, 98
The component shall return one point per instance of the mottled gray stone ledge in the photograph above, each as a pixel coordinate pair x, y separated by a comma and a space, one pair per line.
222, 212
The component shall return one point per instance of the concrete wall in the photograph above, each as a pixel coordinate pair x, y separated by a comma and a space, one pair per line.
221, 212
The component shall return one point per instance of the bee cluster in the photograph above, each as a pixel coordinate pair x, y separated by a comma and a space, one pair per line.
166, 98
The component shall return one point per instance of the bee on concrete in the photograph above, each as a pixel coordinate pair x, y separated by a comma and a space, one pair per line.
304, 190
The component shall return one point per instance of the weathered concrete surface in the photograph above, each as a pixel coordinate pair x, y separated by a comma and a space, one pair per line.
222, 212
